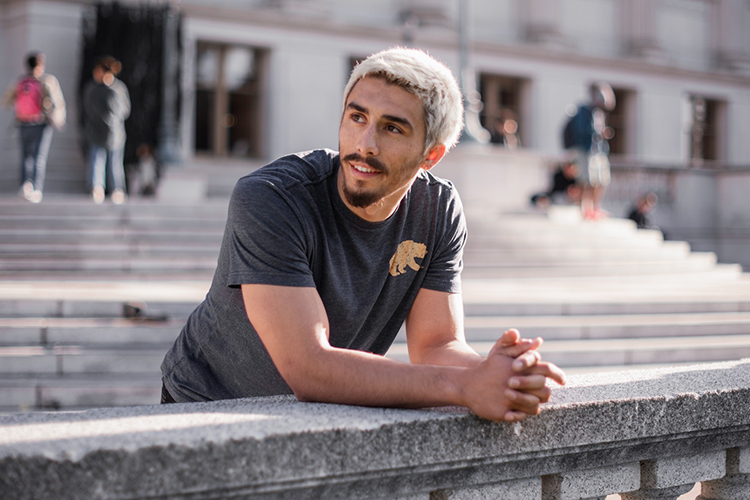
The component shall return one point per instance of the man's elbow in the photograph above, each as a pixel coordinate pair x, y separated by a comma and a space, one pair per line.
306, 392
303, 380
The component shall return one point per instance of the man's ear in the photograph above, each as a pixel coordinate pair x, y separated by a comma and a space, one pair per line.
434, 156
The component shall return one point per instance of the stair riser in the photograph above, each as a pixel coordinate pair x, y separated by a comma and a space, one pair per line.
43, 396
120, 336
103, 362
586, 333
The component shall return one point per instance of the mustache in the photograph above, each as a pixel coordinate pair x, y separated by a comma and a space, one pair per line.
369, 161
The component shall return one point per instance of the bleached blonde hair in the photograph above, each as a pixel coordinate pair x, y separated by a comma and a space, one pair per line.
427, 78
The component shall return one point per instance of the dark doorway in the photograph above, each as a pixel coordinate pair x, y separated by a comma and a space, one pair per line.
136, 36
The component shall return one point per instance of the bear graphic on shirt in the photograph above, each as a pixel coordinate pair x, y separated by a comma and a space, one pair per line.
406, 254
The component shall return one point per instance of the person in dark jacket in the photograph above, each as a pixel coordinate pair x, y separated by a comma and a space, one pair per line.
106, 106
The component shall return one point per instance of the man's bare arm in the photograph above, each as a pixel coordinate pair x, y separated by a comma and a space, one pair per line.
292, 323
435, 335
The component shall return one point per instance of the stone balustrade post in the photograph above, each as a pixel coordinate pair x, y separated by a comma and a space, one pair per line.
736, 484
590, 484
668, 478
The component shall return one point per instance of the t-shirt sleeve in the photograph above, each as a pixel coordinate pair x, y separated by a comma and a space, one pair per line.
265, 236
444, 272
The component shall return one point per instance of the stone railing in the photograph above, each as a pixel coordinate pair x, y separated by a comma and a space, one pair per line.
644, 434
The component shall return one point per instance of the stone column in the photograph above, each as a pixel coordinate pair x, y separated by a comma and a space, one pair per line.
731, 20
736, 484
667, 479
169, 127
590, 484
640, 35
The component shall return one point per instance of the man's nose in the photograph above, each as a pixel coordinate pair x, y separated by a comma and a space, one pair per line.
367, 142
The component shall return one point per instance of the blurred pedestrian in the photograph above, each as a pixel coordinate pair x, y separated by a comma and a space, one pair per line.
565, 188
143, 176
587, 134
641, 211
106, 106
39, 107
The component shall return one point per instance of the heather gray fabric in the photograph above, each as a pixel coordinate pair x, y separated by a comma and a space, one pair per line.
287, 225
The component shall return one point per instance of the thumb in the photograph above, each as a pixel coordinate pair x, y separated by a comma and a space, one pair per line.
507, 339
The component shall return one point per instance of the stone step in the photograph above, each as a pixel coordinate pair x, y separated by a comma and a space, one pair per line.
75, 360
112, 266
592, 353
10, 223
74, 378
100, 299
103, 251
82, 206
697, 292
553, 236
140, 359
609, 326
99, 332
695, 263
143, 258
77, 392
135, 244
576, 252
173, 236
686, 292
115, 333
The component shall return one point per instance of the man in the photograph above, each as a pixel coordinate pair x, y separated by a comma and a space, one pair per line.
326, 255
587, 134
106, 106
38, 107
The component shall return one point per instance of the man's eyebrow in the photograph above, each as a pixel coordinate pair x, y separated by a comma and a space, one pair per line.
391, 118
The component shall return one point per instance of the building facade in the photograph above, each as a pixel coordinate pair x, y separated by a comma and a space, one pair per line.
262, 78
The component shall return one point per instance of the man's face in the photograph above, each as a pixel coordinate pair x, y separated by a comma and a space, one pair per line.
381, 142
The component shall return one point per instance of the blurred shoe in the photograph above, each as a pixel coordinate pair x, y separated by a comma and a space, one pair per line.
118, 197
27, 190
98, 195
36, 196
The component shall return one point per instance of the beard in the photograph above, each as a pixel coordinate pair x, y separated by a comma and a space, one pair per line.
362, 199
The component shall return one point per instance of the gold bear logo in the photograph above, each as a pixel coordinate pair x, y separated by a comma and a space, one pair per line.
405, 256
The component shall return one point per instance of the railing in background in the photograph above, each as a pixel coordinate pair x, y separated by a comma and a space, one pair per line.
704, 205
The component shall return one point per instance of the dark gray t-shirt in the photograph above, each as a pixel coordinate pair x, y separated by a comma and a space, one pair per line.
287, 225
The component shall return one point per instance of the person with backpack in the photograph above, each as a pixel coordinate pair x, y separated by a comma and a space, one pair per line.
39, 107
586, 135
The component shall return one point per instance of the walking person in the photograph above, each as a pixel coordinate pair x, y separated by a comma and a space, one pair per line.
587, 135
39, 108
106, 106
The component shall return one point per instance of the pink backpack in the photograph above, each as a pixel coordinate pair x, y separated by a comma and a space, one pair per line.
29, 96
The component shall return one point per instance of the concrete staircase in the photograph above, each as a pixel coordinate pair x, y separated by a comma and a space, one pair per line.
92, 296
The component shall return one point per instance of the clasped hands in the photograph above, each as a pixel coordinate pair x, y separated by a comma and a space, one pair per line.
512, 382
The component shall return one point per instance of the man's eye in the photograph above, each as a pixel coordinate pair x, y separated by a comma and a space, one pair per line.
394, 129
357, 117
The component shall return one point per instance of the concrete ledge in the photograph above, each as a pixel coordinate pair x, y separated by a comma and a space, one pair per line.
280, 448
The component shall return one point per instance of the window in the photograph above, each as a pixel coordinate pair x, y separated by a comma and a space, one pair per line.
706, 123
229, 88
502, 115
621, 119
